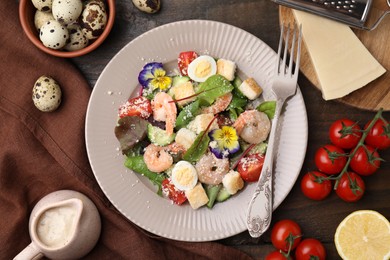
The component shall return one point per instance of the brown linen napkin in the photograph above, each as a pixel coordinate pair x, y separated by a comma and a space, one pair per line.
44, 152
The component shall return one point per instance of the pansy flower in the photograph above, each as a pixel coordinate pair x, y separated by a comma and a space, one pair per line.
224, 141
154, 76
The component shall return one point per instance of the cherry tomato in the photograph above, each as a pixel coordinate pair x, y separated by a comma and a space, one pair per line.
282, 230
350, 191
330, 159
310, 248
379, 135
250, 167
139, 106
184, 60
365, 161
275, 255
345, 133
313, 189
177, 196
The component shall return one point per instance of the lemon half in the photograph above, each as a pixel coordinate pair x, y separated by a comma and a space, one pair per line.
364, 234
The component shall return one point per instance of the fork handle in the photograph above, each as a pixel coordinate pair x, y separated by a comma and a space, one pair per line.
261, 205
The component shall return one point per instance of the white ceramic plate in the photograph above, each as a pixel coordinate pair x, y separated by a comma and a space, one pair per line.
131, 193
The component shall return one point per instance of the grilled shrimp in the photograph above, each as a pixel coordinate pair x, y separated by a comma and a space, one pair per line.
253, 126
219, 105
164, 109
157, 158
211, 170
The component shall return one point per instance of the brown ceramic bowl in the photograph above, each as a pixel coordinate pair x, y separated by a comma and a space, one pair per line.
26, 16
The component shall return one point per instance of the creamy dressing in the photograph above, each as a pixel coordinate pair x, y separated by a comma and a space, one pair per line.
55, 226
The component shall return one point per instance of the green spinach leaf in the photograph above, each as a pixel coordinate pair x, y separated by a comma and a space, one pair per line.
214, 87
198, 148
268, 107
138, 165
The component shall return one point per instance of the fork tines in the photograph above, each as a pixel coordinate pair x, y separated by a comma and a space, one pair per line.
296, 32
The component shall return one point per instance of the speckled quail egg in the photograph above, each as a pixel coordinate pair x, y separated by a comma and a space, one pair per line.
46, 94
40, 18
67, 11
184, 176
77, 40
147, 6
93, 19
54, 35
201, 68
42, 5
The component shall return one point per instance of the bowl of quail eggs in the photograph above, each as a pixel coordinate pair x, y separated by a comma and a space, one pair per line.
67, 28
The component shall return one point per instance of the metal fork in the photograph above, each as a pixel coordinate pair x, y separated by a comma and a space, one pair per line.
284, 86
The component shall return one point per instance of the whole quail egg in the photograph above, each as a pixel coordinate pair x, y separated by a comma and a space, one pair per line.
77, 40
93, 19
40, 18
67, 11
54, 35
147, 6
42, 5
46, 94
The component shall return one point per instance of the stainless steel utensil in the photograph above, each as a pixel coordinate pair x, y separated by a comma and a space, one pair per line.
351, 12
284, 86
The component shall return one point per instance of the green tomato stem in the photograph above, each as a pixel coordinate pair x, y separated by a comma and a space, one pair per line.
360, 143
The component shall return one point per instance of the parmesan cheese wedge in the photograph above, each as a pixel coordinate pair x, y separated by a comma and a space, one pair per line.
341, 62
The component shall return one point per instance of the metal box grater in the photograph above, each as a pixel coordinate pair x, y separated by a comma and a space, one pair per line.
351, 12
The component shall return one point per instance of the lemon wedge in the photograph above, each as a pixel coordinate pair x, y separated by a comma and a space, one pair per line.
364, 234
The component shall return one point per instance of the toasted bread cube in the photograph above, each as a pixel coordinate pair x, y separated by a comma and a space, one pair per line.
185, 137
226, 68
250, 89
232, 182
197, 196
183, 91
201, 122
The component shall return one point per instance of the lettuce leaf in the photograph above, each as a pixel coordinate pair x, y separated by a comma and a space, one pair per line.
129, 131
214, 87
138, 165
198, 148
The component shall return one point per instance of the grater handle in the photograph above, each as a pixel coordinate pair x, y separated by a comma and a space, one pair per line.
375, 25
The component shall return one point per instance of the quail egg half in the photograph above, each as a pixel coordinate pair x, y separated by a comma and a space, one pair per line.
184, 176
46, 94
202, 68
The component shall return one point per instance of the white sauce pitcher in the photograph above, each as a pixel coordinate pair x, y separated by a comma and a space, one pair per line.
63, 225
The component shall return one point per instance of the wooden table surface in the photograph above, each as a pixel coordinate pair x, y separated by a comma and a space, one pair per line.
259, 17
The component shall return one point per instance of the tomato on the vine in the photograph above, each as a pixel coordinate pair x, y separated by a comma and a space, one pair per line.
345, 133
285, 231
330, 159
250, 167
310, 248
314, 186
351, 187
365, 161
184, 60
276, 255
379, 135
